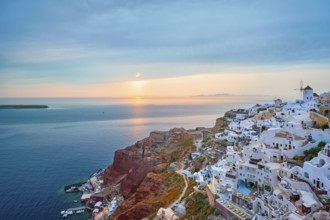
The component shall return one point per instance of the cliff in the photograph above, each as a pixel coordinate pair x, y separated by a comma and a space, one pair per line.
220, 124
140, 168
155, 191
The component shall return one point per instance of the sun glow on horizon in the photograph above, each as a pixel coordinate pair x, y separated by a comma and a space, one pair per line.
252, 82
138, 100
138, 87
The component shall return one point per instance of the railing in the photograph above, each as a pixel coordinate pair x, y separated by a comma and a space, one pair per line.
254, 161
294, 162
229, 175
316, 190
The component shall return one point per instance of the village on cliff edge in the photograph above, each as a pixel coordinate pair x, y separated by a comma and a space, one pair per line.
270, 161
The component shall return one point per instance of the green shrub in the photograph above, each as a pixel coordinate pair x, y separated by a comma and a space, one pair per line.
313, 152
325, 126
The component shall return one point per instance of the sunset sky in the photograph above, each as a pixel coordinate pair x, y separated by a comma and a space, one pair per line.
107, 48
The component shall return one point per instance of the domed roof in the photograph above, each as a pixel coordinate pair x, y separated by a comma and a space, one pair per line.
308, 88
181, 210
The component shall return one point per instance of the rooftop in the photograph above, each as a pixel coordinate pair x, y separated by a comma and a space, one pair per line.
308, 88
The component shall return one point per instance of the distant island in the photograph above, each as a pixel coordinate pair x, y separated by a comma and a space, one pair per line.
228, 94
22, 106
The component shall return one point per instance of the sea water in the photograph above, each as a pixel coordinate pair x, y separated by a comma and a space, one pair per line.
42, 150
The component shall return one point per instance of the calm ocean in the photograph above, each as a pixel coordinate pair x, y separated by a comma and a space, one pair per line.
41, 150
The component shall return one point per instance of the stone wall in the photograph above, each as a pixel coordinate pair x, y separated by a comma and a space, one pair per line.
210, 195
224, 211
318, 119
263, 116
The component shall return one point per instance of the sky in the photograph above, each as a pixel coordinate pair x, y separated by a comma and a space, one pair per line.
116, 48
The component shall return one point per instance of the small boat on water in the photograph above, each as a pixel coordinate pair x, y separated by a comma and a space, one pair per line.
62, 212
65, 215
75, 201
80, 211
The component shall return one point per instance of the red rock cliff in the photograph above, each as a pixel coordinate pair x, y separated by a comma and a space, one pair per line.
130, 168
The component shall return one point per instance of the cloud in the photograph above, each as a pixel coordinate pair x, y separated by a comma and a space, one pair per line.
89, 42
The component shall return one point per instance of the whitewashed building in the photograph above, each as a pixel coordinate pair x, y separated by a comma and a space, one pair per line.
317, 171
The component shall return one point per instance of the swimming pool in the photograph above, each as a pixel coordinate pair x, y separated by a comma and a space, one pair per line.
242, 188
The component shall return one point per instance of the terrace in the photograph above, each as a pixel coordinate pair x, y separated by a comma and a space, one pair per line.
289, 136
234, 209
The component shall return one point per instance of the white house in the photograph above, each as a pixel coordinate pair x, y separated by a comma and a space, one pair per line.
257, 173
290, 141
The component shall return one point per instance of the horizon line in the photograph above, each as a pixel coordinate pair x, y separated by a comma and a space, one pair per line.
135, 97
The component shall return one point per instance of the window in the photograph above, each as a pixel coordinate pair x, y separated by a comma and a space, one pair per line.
306, 175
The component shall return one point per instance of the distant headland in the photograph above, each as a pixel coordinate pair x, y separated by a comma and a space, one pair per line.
22, 106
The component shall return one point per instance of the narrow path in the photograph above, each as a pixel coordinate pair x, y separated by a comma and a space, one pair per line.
184, 190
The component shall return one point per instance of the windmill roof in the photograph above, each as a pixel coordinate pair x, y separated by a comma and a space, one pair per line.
308, 88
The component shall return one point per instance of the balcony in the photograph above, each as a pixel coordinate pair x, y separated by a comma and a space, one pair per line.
231, 175
254, 161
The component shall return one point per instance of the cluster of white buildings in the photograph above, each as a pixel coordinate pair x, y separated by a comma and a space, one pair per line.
259, 177
317, 170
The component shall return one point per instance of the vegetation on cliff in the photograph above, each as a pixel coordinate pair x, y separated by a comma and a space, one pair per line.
198, 207
190, 189
156, 191
182, 151
173, 184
